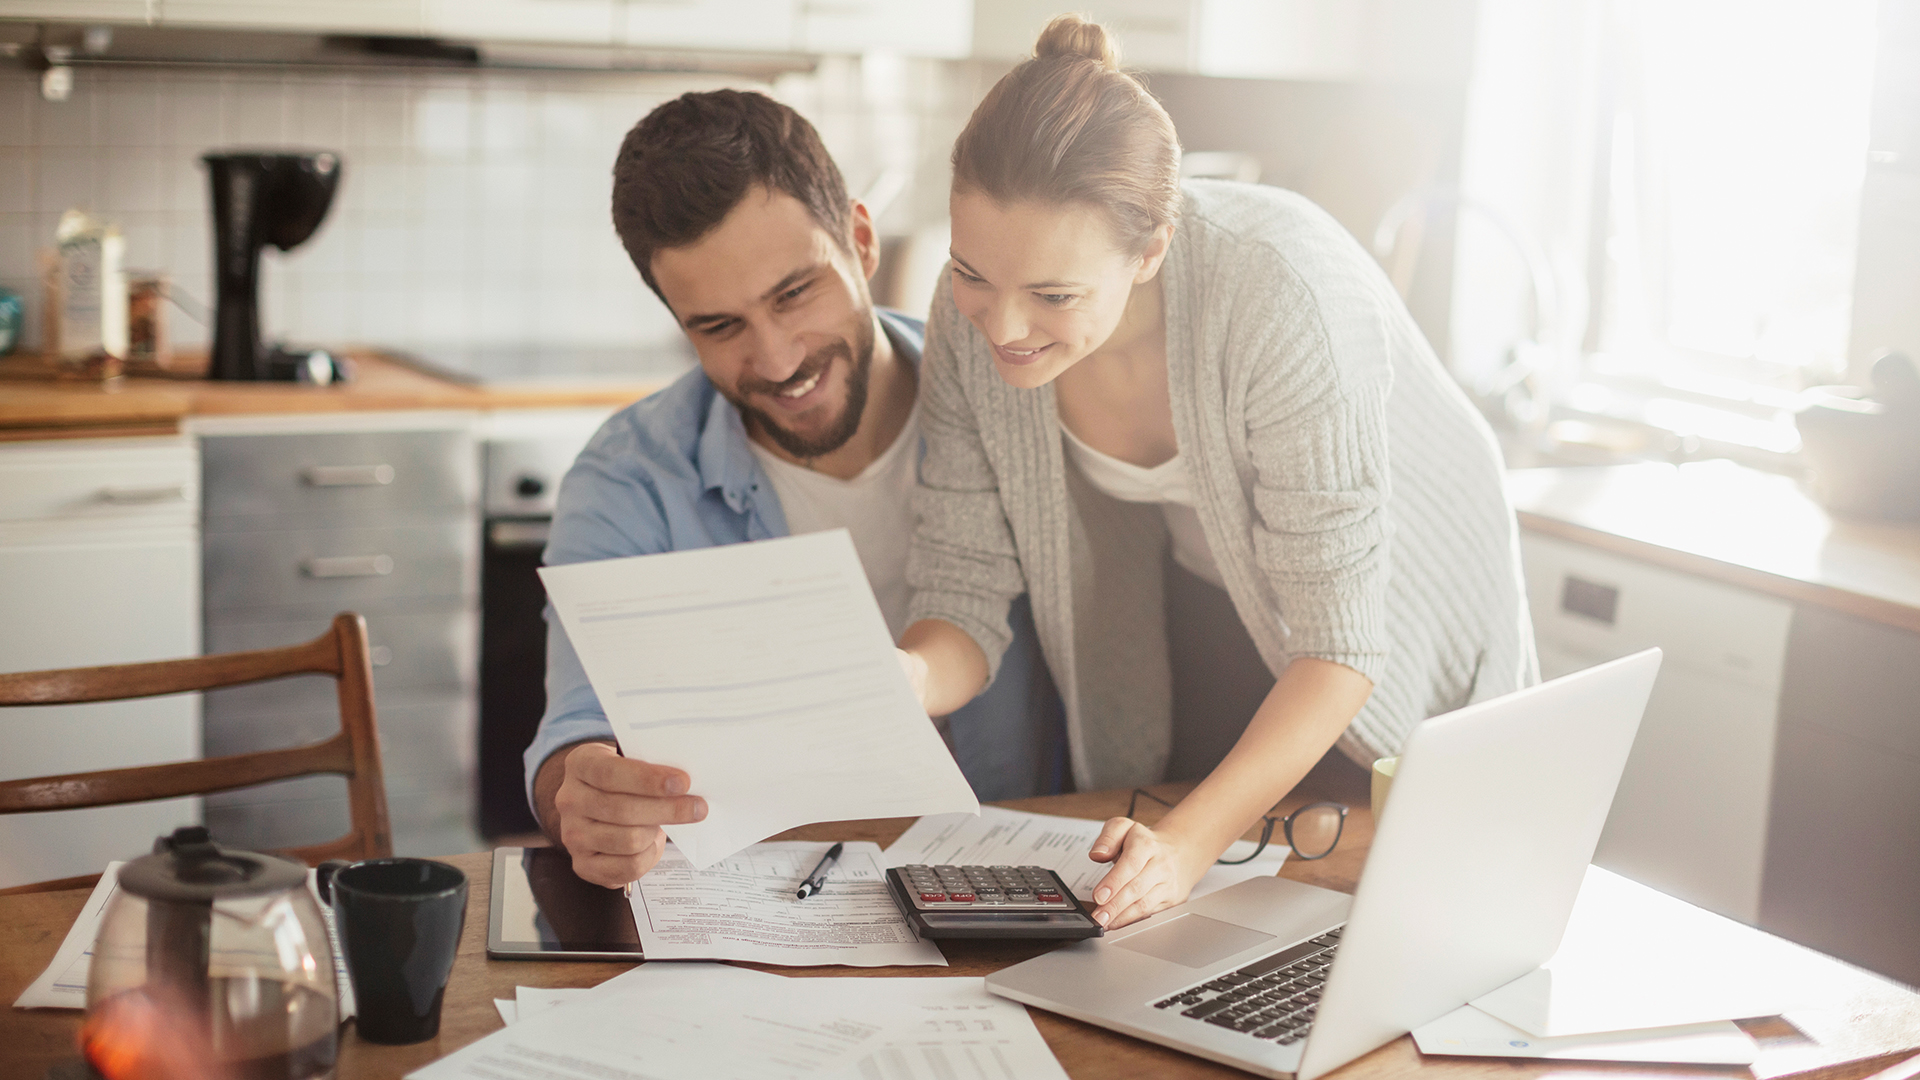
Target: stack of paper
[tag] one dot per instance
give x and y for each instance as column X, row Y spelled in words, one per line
column 664, row 1021
column 1640, row 976
column 765, row 671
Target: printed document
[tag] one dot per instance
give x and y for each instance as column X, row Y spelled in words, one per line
column 766, row 672
column 999, row 837
column 941, row 1028
column 743, row 908
column 672, row 1021
column 64, row 984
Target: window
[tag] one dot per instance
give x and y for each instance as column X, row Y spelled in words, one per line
column 1732, row 148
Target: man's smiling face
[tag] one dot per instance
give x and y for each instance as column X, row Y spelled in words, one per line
column 781, row 318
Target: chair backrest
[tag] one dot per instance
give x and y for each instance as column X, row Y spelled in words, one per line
column 354, row 753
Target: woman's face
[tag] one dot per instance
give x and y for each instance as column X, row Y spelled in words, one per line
column 1047, row 285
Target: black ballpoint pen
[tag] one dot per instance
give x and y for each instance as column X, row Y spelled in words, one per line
column 818, row 879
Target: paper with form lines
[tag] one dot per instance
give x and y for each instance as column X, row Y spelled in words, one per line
column 743, row 908
column 766, row 672
column 924, row 1029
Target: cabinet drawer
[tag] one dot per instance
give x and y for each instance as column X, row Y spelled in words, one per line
column 132, row 481
column 1600, row 606
column 328, row 570
column 338, row 478
column 413, row 656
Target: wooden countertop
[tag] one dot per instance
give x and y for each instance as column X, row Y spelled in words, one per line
column 1744, row 527
column 137, row 405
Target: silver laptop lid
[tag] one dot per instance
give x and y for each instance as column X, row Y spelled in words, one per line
column 1494, row 814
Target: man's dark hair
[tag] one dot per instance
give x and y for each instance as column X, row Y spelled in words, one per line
column 688, row 163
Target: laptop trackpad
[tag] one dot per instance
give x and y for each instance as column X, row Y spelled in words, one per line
column 1193, row 940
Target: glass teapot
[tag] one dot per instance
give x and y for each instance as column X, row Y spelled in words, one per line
column 211, row 963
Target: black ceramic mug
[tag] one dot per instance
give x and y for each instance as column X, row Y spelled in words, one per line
column 399, row 922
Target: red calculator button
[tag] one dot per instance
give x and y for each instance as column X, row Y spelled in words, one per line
column 1049, row 897
column 961, row 897
column 933, row 897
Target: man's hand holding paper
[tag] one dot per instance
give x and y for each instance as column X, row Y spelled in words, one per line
column 609, row 811
column 764, row 674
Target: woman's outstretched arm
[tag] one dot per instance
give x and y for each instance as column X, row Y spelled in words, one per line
column 945, row 665
column 1309, row 706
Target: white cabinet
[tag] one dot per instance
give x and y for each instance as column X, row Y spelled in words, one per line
column 99, row 564
column 1384, row 40
column 113, row 11
column 1691, row 815
column 336, row 16
column 574, row 22
column 922, row 28
column 751, row 25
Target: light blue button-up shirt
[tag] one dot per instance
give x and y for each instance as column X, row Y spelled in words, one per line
column 673, row 472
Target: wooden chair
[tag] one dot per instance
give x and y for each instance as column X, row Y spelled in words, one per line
column 354, row 753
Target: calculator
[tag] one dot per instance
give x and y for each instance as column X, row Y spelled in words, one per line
column 989, row 902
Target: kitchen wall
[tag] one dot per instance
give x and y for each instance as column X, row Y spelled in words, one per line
column 473, row 206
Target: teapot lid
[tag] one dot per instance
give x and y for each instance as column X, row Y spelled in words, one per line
column 189, row 867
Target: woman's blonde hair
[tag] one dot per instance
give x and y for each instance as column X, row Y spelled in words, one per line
column 1068, row 126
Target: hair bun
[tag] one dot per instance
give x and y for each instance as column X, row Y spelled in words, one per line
column 1076, row 36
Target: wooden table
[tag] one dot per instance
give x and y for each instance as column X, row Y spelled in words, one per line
column 32, row 926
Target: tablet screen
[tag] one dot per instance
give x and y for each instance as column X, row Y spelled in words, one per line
column 539, row 909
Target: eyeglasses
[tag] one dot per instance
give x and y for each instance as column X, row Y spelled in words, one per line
column 1312, row 831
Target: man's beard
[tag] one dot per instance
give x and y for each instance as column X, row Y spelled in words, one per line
column 805, row 446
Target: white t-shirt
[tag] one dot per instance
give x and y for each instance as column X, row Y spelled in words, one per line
column 874, row 506
column 1166, row 484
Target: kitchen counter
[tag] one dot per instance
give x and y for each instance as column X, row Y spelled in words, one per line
column 136, row 405
column 1737, row 525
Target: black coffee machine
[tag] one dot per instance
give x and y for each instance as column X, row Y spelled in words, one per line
column 261, row 199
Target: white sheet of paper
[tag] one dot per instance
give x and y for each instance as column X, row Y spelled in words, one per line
column 956, row 1028
column 962, row 1030
column 999, row 837
column 764, row 670
column 63, row 985
column 509, row 1011
column 743, row 908
column 671, row 1021
column 1637, row 958
column 1468, row 1032
column 530, row 1000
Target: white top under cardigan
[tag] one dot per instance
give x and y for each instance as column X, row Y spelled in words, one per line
column 1350, row 494
column 1164, row 485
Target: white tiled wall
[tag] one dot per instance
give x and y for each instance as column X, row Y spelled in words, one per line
column 473, row 206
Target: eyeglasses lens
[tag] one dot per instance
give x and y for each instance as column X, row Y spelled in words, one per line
column 1315, row 830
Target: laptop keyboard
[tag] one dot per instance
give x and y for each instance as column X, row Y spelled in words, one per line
column 1272, row 998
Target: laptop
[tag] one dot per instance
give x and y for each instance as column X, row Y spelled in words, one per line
column 1495, row 812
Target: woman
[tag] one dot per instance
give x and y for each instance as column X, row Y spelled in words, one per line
column 1122, row 362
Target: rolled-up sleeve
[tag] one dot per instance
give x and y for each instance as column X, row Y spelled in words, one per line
column 963, row 565
column 1317, row 438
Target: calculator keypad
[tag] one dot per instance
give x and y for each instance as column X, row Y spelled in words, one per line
column 1019, row 887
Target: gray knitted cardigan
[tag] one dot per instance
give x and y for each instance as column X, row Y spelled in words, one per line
column 1350, row 493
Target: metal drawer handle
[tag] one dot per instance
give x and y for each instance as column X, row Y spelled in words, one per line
column 347, row 475
column 332, row 566
column 134, row 496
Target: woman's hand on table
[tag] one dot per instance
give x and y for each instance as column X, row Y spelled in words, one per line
column 1151, row 872
column 611, row 810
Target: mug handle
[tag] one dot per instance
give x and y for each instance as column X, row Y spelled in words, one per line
column 323, row 877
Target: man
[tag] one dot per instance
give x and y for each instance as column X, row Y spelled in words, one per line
column 801, row 417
